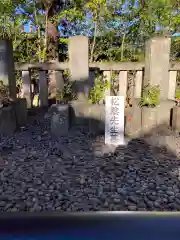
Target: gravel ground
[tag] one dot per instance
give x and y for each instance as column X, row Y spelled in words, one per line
column 80, row 173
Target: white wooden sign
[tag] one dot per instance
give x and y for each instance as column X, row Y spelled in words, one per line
column 114, row 122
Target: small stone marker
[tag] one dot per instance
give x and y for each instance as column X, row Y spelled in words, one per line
column 60, row 120
column 114, row 120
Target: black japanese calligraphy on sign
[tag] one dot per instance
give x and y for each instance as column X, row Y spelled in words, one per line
column 114, row 130
column 114, row 120
column 114, row 110
column 114, row 101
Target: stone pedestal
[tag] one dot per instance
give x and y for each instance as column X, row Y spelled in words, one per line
column 158, row 116
column 97, row 119
column 90, row 115
column 164, row 112
column 133, row 119
column 149, row 119
column 60, row 120
column 176, row 118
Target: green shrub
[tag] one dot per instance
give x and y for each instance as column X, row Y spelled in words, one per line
column 66, row 94
column 4, row 94
column 98, row 91
column 150, row 96
column 177, row 94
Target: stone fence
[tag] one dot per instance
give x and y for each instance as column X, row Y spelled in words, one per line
column 156, row 69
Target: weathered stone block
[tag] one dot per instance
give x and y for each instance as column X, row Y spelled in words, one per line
column 164, row 112
column 7, row 120
column 133, row 119
column 90, row 115
column 149, row 118
column 97, row 119
column 60, row 120
column 176, row 118
column 78, row 113
column 20, row 106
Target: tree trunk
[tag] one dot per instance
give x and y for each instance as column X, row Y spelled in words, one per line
column 52, row 50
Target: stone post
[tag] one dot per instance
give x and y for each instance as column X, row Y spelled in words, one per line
column 26, row 87
column 43, row 89
column 123, row 84
column 157, row 64
column 7, row 70
column 157, row 73
column 79, row 65
column 172, row 84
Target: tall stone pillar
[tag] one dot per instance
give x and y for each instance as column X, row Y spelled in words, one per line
column 79, row 65
column 157, row 73
column 157, row 64
column 7, row 70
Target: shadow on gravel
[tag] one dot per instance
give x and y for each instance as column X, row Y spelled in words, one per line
column 151, row 171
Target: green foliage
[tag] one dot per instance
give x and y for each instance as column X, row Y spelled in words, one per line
column 177, row 94
column 4, row 94
column 98, row 91
column 63, row 96
column 150, row 96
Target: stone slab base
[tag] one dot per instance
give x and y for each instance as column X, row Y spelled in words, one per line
column 140, row 121
column 90, row 115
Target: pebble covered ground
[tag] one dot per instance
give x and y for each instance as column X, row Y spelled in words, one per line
column 80, row 173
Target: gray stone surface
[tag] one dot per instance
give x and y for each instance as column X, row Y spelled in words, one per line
column 21, row 111
column 60, row 120
column 7, row 71
column 133, row 119
column 91, row 115
column 164, row 112
column 40, row 173
column 175, row 118
column 7, row 120
column 157, row 64
column 149, row 118
column 79, row 65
